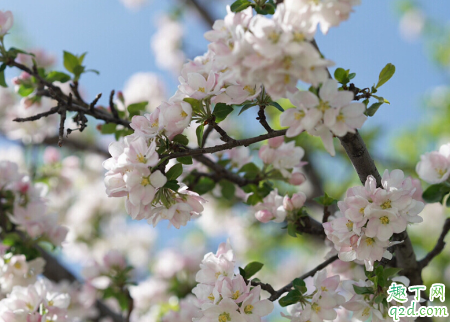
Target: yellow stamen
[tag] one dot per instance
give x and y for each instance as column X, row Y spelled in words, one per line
column 366, row 311
column 384, row 220
column 141, row 158
column 224, row 317
column 299, row 115
column 349, row 225
column 274, row 37
column 201, row 89
column 249, row 89
column 369, row 241
column 298, row 36
column 315, row 307
column 248, row 309
column 386, row 204
column 235, row 295
column 145, row 181
column 183, row 114
column 323, row 106
column 340, row 118
column 211, row 297
column 17, row 265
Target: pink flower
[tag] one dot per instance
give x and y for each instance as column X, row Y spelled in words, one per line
column 383, row 224
column 6, row 22
column 253, row 308
column 174, row 117
column 297, row 178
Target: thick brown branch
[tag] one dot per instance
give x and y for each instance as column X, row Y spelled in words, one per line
column 223, row 135
column 438, row 248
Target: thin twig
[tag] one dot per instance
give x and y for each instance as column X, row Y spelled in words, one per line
column 94, row 102
column 62, row 112
column 53, row 110
column 112, row 107
column 438, row 248
column 262, row 119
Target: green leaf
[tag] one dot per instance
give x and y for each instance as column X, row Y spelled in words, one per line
column 136, row 108
column 379, row 298
column 253, row 199
column 172, row 184
column 363, row 290
column 373, row 109
column 108, row 128
column 70, row 61
column 81, row 58
column 174, row 172
column 386, row 73
column 78, row 70
column 182, row 139
column 391, row 271
column 250, row 170
column 436, row 192
column 340, row 74
column 185, row 160
column 92, row 71
column 242, row 272
column 221, row 111
column 240, row 5
column 292, row 231
column 197, row 105
column 58, row 77
column 292, row 297
column 252, row 268
column 299, row 285
column 277, row 106
column 325, row 200
column 199, row 132
column 24, row 91
column 204, row 185
column 2, row 79
column 246, row 107
column 228, row 189
column 351, row 76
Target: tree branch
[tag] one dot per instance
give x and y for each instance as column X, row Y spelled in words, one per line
column 438, row 248
column 275, row 295
column 262, row 119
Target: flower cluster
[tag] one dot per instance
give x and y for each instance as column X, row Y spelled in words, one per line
column 15, row 270
column 282, row 156
column 224, row 296
column 321, row 304
column 327, row 114
column 276, row 52
column 434, row 167
column 36, row 302
column 369, row 216
column 130, row 174
column 24, row 204
column 364, row 307
column 276, row 208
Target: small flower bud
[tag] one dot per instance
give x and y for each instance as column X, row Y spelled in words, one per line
column 297, row 178
column 264, row 216
column 298, row 200
column 276, row 142
column 287, row 204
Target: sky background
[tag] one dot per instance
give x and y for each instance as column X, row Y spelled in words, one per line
column 118, row 44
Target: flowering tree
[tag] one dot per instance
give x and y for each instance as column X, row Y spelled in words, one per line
column 172, row 156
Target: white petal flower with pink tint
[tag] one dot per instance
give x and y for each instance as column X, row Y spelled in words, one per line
column 226, row 311
column 433, row 167
column 146, row 125
column 233, row 288
column 197, row 86
column 346, row 119
column 139, row 153
column 253, row 308
column 287, row 157
column 214, row 268
column 383, row 224
column 174, row 117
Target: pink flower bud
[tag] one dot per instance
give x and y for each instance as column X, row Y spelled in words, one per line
column 276, row 142
column 297, row 178
column 287, row 204
column 16, row 81
column 114, row 259
column 120, row 96
column 25, row 76
column 266, row 154
column 51, row 155
column 298, row 200
column 264, row 216
column 6, row 22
